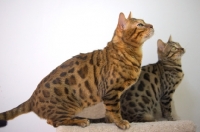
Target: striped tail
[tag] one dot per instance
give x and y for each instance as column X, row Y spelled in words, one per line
column 98, row 120
column 21, row 109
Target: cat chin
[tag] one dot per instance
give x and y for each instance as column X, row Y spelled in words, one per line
column 149, row 35
column 178, row 57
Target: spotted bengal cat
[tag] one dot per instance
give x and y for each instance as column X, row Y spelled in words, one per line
column 87, row 79
column 150, row 98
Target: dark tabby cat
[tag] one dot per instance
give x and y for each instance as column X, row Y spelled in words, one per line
column 150, row 98
column 87, row 79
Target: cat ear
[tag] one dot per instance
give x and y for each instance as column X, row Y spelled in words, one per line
column 122, row 21
column 170, row 38
column 161, row 45
column 130, row 15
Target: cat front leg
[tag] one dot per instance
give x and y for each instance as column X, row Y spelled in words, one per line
column 166, row 107
column 112, row 105
column 167, row 114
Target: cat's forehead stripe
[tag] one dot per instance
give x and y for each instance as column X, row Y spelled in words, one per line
column 139, row 20
column 175, row 44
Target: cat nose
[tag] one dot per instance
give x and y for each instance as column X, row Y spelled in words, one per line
column 183, row 50
column 149, row 26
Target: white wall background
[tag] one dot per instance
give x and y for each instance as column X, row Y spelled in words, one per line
column 38, row 35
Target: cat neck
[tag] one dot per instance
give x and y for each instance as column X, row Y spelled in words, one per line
column 118, row 39
column 166, row 63
column 129, row 48
column 126, row 52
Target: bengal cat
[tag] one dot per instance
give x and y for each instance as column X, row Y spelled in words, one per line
column 150, row 98
column 87, row 79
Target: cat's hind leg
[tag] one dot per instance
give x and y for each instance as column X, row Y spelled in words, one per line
column 60, row 118
column 69, row 122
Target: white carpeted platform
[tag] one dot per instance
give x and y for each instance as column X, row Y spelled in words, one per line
column 98, row 111
column 161, row 126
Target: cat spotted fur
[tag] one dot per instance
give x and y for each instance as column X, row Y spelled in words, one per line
column 149, row 99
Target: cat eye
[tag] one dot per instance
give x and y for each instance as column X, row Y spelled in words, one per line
column 173, row 49
column 140, row 25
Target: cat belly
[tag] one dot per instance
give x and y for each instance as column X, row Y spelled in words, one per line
column 93, row 112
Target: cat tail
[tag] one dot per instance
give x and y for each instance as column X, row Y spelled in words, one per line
column 98, row 120
column 21, row 109
column 147, row 117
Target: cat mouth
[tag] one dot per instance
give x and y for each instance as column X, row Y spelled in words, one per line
column 179, row 55
column 150, row 34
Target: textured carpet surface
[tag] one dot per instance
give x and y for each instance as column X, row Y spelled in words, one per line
column 161, row 126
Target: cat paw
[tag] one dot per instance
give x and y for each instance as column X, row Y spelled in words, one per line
column 85, row 123
column 50, row 122
column 69, row 122
column 124, row 124
column 169, row 118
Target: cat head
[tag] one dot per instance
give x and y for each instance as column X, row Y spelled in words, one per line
column 170, row 50
column 133, row 31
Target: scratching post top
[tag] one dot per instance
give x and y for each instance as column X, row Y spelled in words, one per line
column 164, row 126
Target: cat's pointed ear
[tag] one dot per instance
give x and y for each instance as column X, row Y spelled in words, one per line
column 161, row 45
column 130, row 15
column 122, row 21
column 170, row 38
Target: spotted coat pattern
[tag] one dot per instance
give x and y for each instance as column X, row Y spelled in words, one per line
column 150, row 98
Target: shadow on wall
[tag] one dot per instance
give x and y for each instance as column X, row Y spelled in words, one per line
column 183, row 101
